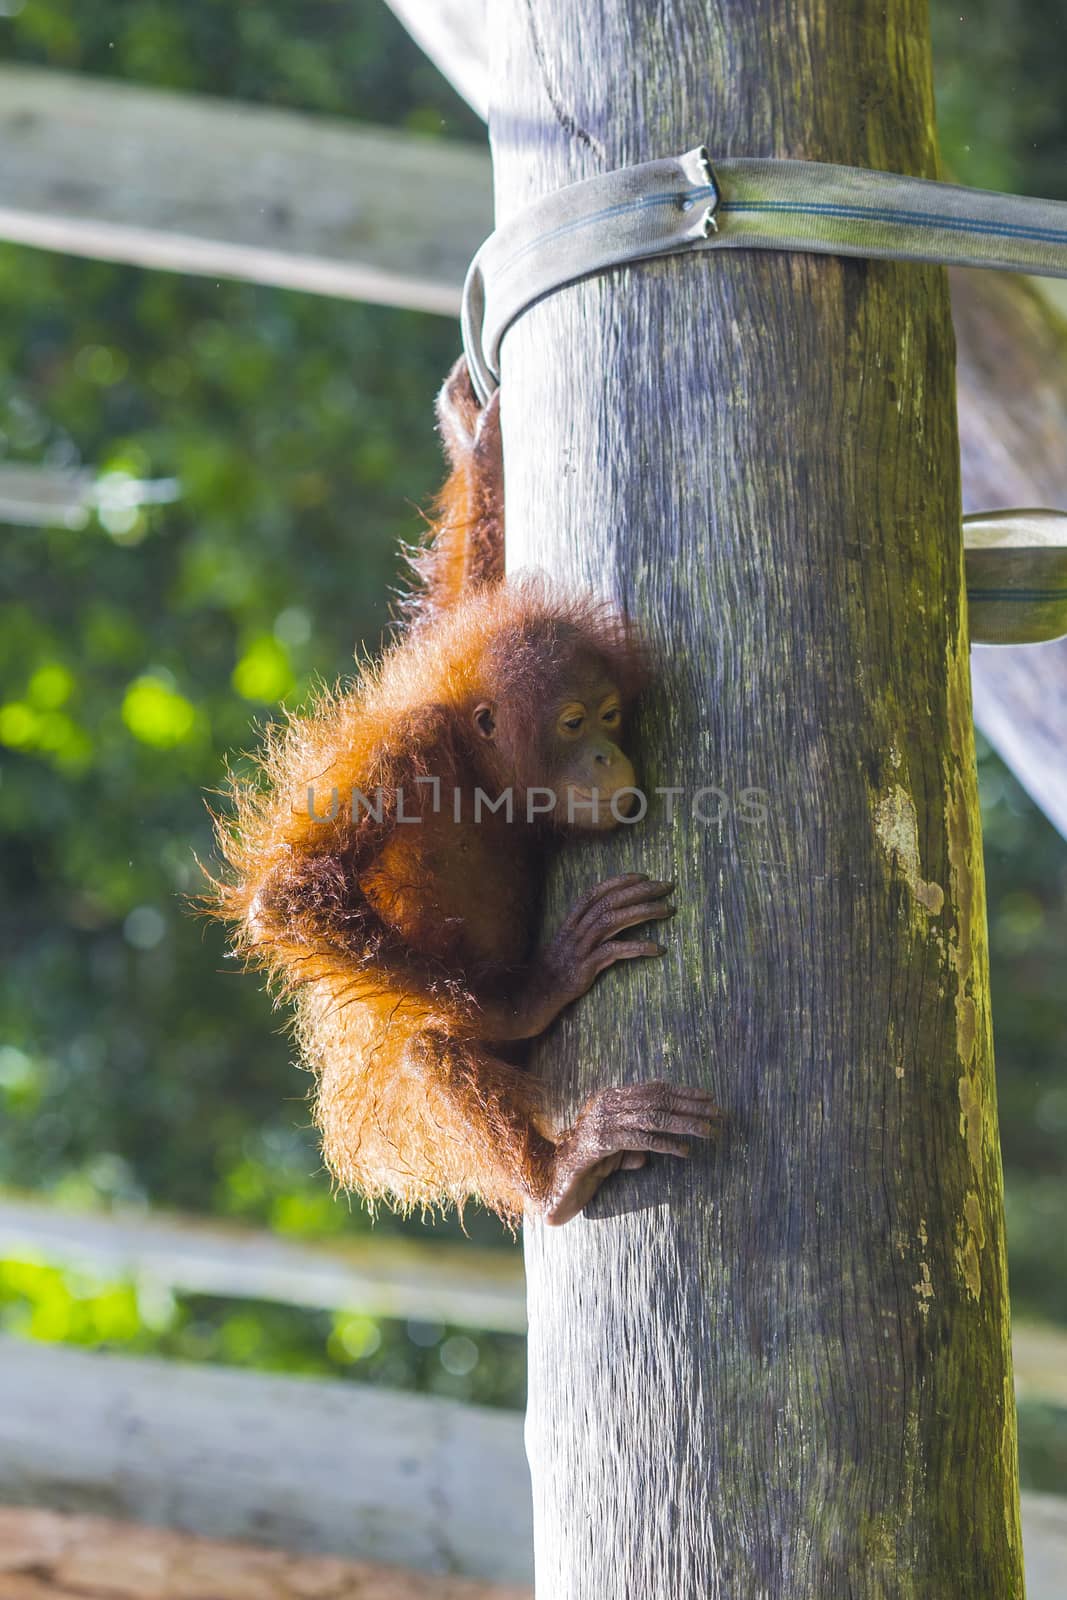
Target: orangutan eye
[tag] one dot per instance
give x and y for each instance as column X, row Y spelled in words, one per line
column 572, row 721
column 611, row 716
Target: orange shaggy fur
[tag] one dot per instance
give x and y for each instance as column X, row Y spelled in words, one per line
column 370, row 927
column 465, row 547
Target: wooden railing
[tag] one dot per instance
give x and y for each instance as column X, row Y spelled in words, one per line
column 383, row 1276
column 306, row 1464
column 297, row 1463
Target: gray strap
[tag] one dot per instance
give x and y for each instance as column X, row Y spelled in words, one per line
column 681, row 204
column 1016, row 576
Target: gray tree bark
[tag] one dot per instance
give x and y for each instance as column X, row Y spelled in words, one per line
column 781, row 1369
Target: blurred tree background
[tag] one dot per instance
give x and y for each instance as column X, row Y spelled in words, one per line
column 138, row 652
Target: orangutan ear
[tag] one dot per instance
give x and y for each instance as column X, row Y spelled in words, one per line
column 485, row 719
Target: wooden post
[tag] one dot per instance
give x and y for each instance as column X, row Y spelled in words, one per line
column 781, row 1370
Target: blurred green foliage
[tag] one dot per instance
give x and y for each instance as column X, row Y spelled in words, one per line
column 72, row 1307
column 139, row 651
column 999, row 78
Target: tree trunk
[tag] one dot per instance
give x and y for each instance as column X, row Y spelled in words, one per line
column 781, row 1369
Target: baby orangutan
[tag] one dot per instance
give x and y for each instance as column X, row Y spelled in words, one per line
column 387, row 874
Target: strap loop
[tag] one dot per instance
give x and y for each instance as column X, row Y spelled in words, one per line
column 1016, row 563
column 682, row 204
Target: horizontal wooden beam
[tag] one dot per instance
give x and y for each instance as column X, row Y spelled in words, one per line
column 301, row 1465
column 383, row 1276
column 96, row 168
column 294, row 1463
column 49, row 497
column 41, row 497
